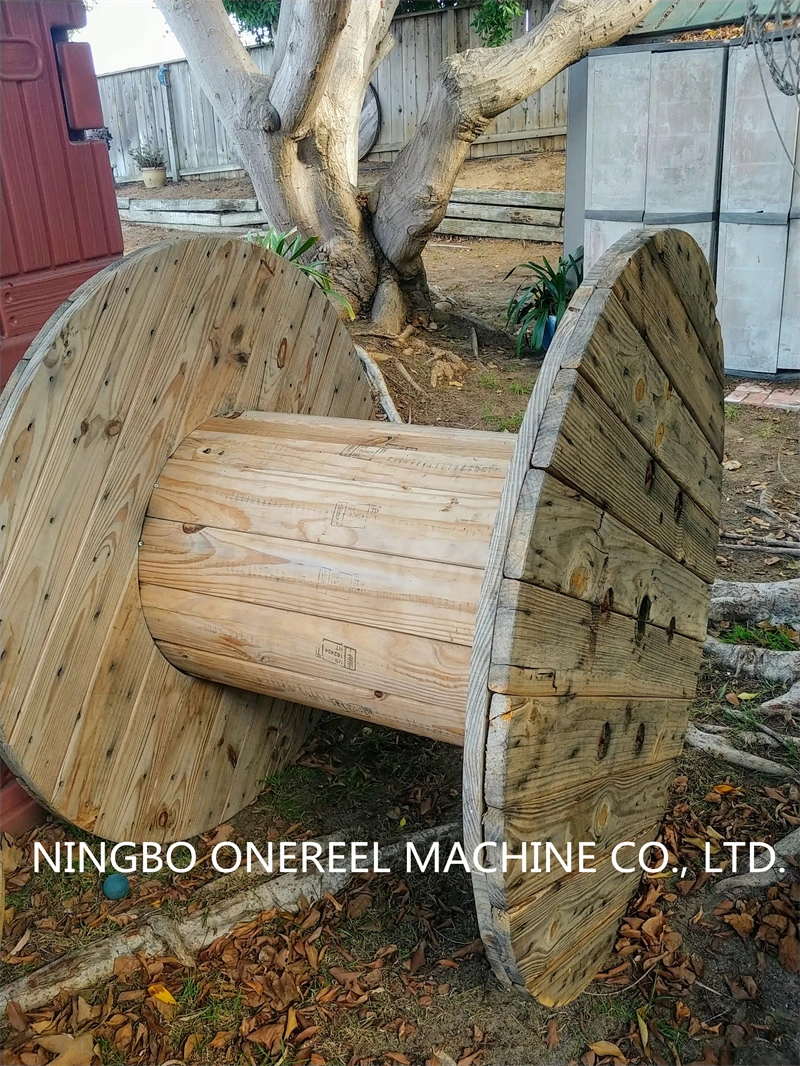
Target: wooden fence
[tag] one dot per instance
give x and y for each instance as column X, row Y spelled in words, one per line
column 165, row 105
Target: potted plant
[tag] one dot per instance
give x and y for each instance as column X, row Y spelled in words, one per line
column 152, row 162
column 535, row 309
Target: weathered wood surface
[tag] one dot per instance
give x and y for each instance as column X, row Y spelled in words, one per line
column 529, row 216
column 596, row 550
column 508, row 198
column 142, row 354
column 325, row 558
column 216, row 205
column 594, row 605
column 205, row 219
column 513, row 231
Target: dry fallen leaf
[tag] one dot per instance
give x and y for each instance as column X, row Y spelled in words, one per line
column 417, row 957
column 742, row 923
column 58, row 1042
column 789, row 954
column 731, row 464
column 17, row 1016
column 79, row 1053
column 161, row 993
column 605, row 1047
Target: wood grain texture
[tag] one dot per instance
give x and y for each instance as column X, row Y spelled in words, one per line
column 583, row 552
column 345, row 567
column 137, row 358
column 594, row 605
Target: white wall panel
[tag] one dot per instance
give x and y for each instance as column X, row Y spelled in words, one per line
column 750, row 278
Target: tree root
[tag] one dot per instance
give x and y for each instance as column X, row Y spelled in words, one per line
column 786, row 848
column 746, row 601
column 712, row 745
column 786, row 706
column 378, row 385
column 776, row 667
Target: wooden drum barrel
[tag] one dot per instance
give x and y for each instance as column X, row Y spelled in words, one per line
column 204, row 536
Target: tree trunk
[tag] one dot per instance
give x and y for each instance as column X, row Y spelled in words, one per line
column 296, row 130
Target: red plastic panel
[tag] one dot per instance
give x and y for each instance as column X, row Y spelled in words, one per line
column 58, row 218
column 79, row 82
column 20, row 60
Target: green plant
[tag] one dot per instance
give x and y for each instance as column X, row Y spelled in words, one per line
column 488, row 381
column 258, row 18
column 148, row 156
column 776, row 639
column 520, row 388
column 547, row 293
column 494, row 21
column 292, row 246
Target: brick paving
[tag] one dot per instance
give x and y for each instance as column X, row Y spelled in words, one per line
column 762, row 394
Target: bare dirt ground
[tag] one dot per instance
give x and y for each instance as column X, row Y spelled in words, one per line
column 390, row 973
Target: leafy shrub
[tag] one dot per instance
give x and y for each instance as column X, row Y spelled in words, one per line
column 257, row 18
column 494, row 21
column 293, row 246
column 547, row 293
column 148, row 156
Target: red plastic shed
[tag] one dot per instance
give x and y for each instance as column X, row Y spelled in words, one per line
column 59, row 222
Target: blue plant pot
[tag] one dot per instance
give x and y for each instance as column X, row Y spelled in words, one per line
column 549, row 331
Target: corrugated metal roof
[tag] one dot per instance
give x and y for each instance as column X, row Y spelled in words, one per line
column 674, row 16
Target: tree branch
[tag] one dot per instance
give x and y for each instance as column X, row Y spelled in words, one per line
column 307, row 41
column 470, row 89
column 237, row 89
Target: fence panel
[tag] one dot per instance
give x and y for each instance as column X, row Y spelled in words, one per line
column 135, row 102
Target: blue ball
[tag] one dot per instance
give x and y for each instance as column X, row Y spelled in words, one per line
column 116, row 886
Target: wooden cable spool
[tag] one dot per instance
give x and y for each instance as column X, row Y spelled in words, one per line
column 204, row 538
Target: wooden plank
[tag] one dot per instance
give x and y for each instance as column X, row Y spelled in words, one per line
column 193, row 218
column 694, row 284
column 467, row 227
column 215, row 205
column 361, row 657
column 508, row 198
column 552, row 933
column 376, row 707
column 434, row 600
column 269, row 445
column 637, row 390
column 583, row 443
column 418, row 524
column 548, row 644
column 534, row 216
column 526, row 738
column 654, row 305
column 409, row 437
column 561, row 540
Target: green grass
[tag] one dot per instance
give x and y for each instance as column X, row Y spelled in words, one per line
column 503, row 423
column 488, row 381
column 767, row 430
column 775, row 639
column 520, row 388
column 733, row 412
column 618, row 1007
